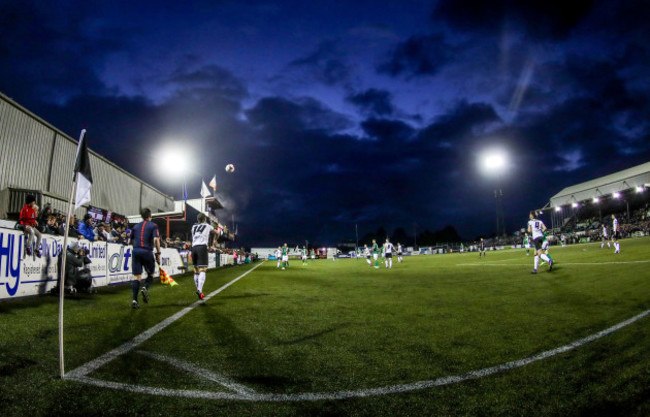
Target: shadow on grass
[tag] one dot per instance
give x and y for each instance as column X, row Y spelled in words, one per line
column 312, row 336
column 251, row 361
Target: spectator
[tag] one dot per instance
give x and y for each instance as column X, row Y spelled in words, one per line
column 51, row 228
column 103, row 235
column 73, row 228
column 43, row 218
column 119, row 235
column 86, row 228
column 29, row 226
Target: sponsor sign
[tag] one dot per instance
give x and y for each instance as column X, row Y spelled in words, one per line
column 117, row 264
column 212, row 260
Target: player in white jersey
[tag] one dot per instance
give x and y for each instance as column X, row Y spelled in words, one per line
column 605, row 237
column 388, row 253
column 201, row 234
column 537, row 228
column 615, row 233
column 278, row 255
column 400, row 252
column 366, row 251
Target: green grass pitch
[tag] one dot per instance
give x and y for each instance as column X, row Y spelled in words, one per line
column 274, row 339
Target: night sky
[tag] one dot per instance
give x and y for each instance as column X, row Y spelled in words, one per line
column 340, row 113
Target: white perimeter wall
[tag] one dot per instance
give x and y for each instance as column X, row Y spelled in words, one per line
column 110, row 264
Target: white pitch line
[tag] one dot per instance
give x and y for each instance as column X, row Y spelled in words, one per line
column 202, row 372
column 340, row 395
column 563, row 263
column 95, row 364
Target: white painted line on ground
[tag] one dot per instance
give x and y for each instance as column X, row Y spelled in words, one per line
column 340, row 395
column 560, row 264
column 202, row 372
column 95, row 364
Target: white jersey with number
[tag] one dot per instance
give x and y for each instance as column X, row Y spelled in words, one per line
column 388, row 247
column 536, row 228
column 615, row 226
column 201, row 234
column 604, row 231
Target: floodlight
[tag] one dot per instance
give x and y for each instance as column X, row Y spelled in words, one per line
column 574, row 205
column 616, row 195
column 558, row 208
column 639, row 189
column 174, row 161
column 494, row 162
column 596, row 200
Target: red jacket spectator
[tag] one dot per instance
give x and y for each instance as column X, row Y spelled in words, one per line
column 28, row 215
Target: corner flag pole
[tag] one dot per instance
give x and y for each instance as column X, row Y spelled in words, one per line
column 63, row 260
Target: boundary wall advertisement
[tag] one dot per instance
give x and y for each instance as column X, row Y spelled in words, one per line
column 22, row 275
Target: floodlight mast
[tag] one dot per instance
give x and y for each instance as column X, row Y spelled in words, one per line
column 494, row 164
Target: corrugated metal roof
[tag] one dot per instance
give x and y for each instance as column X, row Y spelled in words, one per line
column 619, row 181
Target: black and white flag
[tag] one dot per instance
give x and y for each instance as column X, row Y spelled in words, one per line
column 82, row 171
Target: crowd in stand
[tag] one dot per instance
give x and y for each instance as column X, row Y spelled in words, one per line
column 35, row 222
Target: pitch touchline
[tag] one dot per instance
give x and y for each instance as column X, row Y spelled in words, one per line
column 247, row 394
column 562, row 263
column 95, row 364
column 340, row 395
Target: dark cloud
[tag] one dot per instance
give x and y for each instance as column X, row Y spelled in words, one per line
column 388, row 130
column 463, row 121
column 373, row 101
column 419, row 55
column 50, row 54
column 327, row 64
column 210, row 77
column 286, row 116
column 541, row 19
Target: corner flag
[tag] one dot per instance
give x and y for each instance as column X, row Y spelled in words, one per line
column 213, row 183
column 82, row 171
column 205, row 193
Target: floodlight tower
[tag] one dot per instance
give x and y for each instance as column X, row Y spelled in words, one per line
column 494, row 164
column 176, row 164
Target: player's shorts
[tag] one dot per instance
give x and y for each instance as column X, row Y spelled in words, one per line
column 604, row 237
column 538, row 243
column 615, row 235
column 545, row 245
column 143, row 258
column 399, row 253
column 304, row 257
column 285, row 258
column 375, row 256
column 313, row 257
column 389, row 255
column 200, row 256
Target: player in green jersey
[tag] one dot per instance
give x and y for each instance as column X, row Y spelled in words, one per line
column 375, row 253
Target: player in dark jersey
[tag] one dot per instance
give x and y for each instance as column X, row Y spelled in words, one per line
column 481, row 248
column 144, row 238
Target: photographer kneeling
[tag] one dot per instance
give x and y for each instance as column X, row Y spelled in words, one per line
column 77, row 275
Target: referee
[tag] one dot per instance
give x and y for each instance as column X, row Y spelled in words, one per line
column 144, row 237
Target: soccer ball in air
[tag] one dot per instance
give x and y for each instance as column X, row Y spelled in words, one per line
column 230, row 168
